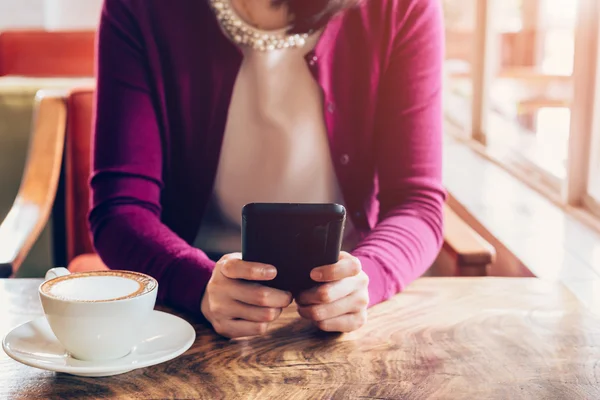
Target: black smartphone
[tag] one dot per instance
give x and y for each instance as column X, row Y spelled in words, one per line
column 294, row 238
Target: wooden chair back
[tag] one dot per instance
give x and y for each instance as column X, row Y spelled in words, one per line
column 55, row 178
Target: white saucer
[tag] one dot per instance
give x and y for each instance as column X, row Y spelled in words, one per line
column 165, row 337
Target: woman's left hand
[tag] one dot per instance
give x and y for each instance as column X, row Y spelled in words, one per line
column 339, row 303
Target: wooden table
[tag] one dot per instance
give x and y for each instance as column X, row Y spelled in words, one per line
column 443, row 338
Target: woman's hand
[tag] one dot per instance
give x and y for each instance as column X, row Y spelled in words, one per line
column 237, row 308
column 339, row 303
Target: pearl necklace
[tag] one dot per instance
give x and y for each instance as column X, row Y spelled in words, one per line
column 244, row 34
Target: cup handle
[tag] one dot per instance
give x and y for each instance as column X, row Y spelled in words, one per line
column 56, row 272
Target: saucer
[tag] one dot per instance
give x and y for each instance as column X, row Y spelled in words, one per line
column 165, row 337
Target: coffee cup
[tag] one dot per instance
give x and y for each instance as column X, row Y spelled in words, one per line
column 99, row 315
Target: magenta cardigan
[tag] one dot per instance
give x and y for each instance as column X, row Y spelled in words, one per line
column 165, row 78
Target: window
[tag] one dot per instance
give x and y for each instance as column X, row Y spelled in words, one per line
column 594, row 175
column 523, row 88
column 460, row 25
column 531, row 84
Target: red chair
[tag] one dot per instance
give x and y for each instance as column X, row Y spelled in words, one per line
column 62, row 131
column 37, row 53
column 47, row 54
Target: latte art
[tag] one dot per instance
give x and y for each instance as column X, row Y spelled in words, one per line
column 99, row 286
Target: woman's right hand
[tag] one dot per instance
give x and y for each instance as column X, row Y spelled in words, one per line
column 236, row 307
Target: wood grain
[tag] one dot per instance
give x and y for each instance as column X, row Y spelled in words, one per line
column 443, row 338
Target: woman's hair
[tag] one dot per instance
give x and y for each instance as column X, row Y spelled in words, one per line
column 313, row 14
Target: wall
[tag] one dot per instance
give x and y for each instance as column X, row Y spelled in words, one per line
column 71, row 14
column 49, row 14
column 21, row 14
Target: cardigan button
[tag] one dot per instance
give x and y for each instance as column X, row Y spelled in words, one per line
column 313, row 61
column 345, row 159
column 330, row 107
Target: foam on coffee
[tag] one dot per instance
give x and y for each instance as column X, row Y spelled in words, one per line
column 99, row 286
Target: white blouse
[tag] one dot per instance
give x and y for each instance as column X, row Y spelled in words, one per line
column 275, row 147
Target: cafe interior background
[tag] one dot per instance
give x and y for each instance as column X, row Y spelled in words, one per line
column 522, row 133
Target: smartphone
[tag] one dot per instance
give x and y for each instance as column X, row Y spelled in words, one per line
column 294, row 238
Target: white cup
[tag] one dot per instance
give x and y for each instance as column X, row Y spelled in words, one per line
column 100, row 323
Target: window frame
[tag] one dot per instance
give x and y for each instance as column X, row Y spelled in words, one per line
column 585, row 102
column 589, row 202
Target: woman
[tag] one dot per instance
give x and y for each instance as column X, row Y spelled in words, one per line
column 205, row 105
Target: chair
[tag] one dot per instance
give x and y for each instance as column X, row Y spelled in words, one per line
column 31, row 60
column 35, row 53
column 64, row 124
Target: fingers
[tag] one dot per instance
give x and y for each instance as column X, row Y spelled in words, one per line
column 236, row 307
column 344, row 323
column 337, row 314
column 326, row 293
column 346, row 267
column 252, row 293
column 237, row 310
column 233, row 267
column 240, row 328
column 354, row 303
column 333, row 291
